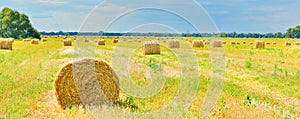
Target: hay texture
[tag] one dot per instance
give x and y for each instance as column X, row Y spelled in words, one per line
column 297, row 43
column 86, row 82
column 101, row 42
column 259, row 44
column 35, row 41
column 287, row 43
column 198, row 44
column 150, row 48
column 67, row 42
column 6, row 43
column 173, row 44
column 217, row 43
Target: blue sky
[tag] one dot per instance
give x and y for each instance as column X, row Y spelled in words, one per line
column 261, row 16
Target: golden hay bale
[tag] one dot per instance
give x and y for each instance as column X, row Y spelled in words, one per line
column 268, row 43
column 297, row 43
column 244, row 42
column 287, row 43
column 101, row 42
column 26, row 40
column 67, row 42
column 198, row 44
column 115, row 41
column 151, row 47
column 217, row 43
column 250, row 43
column 274, row 43
column 259, row 44
column 207, row 42
column 232, row 43
column 86, row 40
column 35, row 41
column 173, row 44
column 6, row 43
column 44, row 40
column 238, row 43
column 86, row 82
column 224, row 42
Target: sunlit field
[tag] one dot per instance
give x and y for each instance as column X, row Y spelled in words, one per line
column 259, row 83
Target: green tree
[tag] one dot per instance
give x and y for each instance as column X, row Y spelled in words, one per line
column 16, row 25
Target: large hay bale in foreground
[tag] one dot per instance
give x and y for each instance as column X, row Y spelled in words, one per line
column 259, row 44
column 6, row 43
column 287, row 43
column 173, row 44
column 217, row 43
column 101, row 42
column 86, row 82
column 35, row 41
column 67, row 42
column 151, row 47
column 198, row 44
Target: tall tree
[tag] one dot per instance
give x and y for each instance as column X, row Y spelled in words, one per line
column 16, row 25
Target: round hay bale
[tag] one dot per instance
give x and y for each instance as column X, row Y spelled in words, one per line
column 35, row 41
column 238, row 43
column 297, row 43
column 67, row 42
column 244, row 42
column 268, row 43
column 274, row 43
column 198, row 44
column 250, row 43
column 232, row 43
column 101, row 42
column 44, row 40
column 6, row 43
column 26, row 40
column 207, row 42
column 86, row 40
column 217, row 43
column 259, row 44
column 86, row 82
column 224, row 42
column 115, row 41
column 150, row 48
column 287, row 43
column 173, row 44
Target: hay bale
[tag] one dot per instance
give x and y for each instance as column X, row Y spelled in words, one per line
column 86, row 40
column 250, row 43
column 67, row 42
column 297, row 43
column 224, row 42
column 238, row 43
column 274, row 43
column 101, row 42
column 287, row 43
column 6, row 43
column 173, row 44
column 35, row 41
column 268, row 43
column 259, row 44
column 232, row 43
column 198, row 44
column 151, row 47
column 217, row 43
column 115, row 41
column 206, row 42
column 86, row 82
column 44, row 40
column 244, row 42
column 26, row 40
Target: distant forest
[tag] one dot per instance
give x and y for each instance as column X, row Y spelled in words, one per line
column 290, row 33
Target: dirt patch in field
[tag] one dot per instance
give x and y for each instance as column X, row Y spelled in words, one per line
column 48, row 107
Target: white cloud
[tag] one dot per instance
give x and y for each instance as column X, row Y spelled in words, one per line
column 52, row 2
